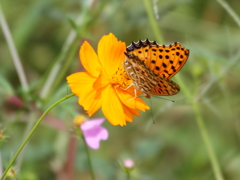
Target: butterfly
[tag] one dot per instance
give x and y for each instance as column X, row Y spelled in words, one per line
column 150, row 66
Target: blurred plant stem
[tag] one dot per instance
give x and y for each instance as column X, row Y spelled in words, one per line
column 70, row 47
column 1, row 166
column 59, row 63
column 30, row 123
column 230, row 11
column 88, row 158
column 128, row 175
column 153, row 23
column 58, row 71
column 13, row 51
column 203, row 130
column 31, row 132
column 205, row 136
column 186, row 91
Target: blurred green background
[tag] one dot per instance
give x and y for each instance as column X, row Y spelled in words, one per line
column 44, row 33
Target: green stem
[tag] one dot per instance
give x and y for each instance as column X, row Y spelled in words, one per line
column 58, row 65
column 128, row 175
column 206, row 140
column 230, row 11
column 153, row 23
column 70, row 47
column 31, row 132
column 89, row 158
column 13, row 51
column 30, row 124
column 64, row 68
column 201, row 125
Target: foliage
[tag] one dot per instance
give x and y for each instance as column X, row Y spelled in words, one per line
column 48, row 34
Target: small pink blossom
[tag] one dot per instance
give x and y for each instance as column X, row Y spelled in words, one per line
column 93, row 132
column 128, row 163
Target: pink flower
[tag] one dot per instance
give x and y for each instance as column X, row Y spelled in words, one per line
column 93, row 132
column 128, row 163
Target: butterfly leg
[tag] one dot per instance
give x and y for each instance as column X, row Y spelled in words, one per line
column 135, row 95
column 127, row 87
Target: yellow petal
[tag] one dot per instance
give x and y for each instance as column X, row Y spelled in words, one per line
column 111, row 53
column 130, row 101
column 89, row 59
column 91, row 104
column 81, row 85
column 101, row 82
column 135, row 112
column 81, row 81
column 128, row 114
column 112, row 107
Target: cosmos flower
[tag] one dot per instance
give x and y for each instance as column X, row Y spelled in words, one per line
column 92, row 131
column 105, row 83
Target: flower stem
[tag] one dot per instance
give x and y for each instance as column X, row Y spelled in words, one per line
column 186, row 91
column 128, row 175
column 230, row 11
column 13, row 51
column 89, row 158
column 31, row 132
column 153, row 23
column 206, row 140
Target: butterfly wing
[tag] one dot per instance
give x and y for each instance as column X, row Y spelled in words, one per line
column 164, row 60
column 165, row 87
column 144, row 79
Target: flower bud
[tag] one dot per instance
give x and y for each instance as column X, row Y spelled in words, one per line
column 128, row 163
column 79, row 120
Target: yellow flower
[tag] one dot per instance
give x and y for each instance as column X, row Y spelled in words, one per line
column 104, row 83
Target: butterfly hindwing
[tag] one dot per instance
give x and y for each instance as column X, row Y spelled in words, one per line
column 143, row 78
column 165, row 87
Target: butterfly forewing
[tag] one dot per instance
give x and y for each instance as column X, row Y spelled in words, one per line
column 163, row 60
column 150, row 66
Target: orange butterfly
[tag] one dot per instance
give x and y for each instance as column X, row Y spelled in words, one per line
column 150, row 66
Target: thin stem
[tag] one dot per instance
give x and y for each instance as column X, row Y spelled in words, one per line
column 59, row 61
column 183, row 86
column 28, row 129
column 128, row 175
column 71, row 154
column 1, row 167
column 64, row 68
column 230, row 11
column 153, row 23
column 14, row 53
column 61, row 65
column 32, row 131
column 203, row 131
column 89, row 158
column 206, row 140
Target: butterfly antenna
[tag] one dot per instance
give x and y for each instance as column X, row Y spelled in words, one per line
column 151, row 111
column 166, row 99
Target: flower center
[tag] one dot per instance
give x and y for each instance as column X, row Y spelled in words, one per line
column 120, row 78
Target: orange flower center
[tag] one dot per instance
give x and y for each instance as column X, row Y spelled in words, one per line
column 120, row 79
